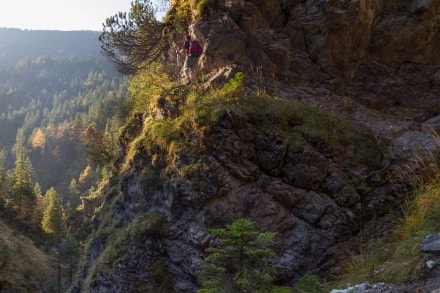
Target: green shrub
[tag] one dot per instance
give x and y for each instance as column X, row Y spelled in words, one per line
column 310, row 284
column 241, row 262
column 148, row 224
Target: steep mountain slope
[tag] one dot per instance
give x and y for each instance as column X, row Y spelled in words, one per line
column 22, row 265
column 194, row 159
column 361, row 52
column 53, row 87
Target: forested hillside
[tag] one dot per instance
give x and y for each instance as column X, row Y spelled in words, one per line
column 53, row 100
column 18, row 44
column 58, row 95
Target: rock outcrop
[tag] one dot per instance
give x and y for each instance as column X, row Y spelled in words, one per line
column 371, row 61
column 431, row 244
column 300, row 193
column 363, row 58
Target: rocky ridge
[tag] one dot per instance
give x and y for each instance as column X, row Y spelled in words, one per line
column 373, row 61
column 369, row 61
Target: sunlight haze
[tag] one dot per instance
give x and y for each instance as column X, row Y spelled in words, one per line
column 59, row 14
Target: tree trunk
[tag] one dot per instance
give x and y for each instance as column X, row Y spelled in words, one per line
column 59, row 264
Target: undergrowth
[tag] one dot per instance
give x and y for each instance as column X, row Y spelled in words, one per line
column 23, row 267
column 395, row 257
column 119, row 237
column 195, row 111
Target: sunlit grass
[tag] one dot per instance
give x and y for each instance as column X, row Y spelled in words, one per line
column 22, row 264
column 299, row 124
column 396, row 258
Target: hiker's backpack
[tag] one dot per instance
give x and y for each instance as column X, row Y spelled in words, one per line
column 195, row 50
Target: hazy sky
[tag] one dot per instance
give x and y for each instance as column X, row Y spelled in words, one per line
column 59, row 14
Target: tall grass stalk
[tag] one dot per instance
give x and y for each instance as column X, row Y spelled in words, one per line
column 395, row 257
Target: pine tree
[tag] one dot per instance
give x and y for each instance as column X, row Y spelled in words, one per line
column 41, row 202
column 54, row 224
column 132, row 40
column 100, row 147
column 2, row 172
column 74, row 196
column 3, row 181
column 241, row 262
column 22, row 188
column 86, row 179
column 53, row 221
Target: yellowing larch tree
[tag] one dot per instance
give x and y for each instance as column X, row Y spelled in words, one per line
column 38, row 139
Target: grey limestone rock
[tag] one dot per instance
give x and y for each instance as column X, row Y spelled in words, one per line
column 431, row 244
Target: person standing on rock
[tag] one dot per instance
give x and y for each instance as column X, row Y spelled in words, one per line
column 193, row 51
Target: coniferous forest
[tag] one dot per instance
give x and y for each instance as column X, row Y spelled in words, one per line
column 57, row 94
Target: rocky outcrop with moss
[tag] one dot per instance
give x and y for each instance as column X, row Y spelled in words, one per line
column 294, row 169
column 196, row 159
column 374, row 61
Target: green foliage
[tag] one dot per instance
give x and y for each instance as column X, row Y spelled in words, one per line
column 183, row 12
column 53, row 221
column 46, row 104
column 388, row 260
column 113, row 253
column 132, row 40
column 179, row 15
column 300, row 124
column 18, row 193
column 241, row 262
column 396, row 257
column 147, row 86
column 203, row 7
column 118, row 237
column 148, row 224
column 194, row 111
column 310, row 284
column 59, row 96
column 22, row 265
column 101, row 149
column 160, row 272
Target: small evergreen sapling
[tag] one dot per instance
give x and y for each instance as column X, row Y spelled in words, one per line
column 241, row 262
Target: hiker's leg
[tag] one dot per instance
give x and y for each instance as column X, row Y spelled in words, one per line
column 186, row 68
column 187, row 74
column 192, row 63
column 192, row 76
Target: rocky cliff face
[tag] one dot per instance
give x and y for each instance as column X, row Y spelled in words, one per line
column 380, row 54
column 311, row 198
column 371, row 61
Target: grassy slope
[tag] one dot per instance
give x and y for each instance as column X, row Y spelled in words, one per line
column 395, row 256
column 198, row 110
column 22, row 265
